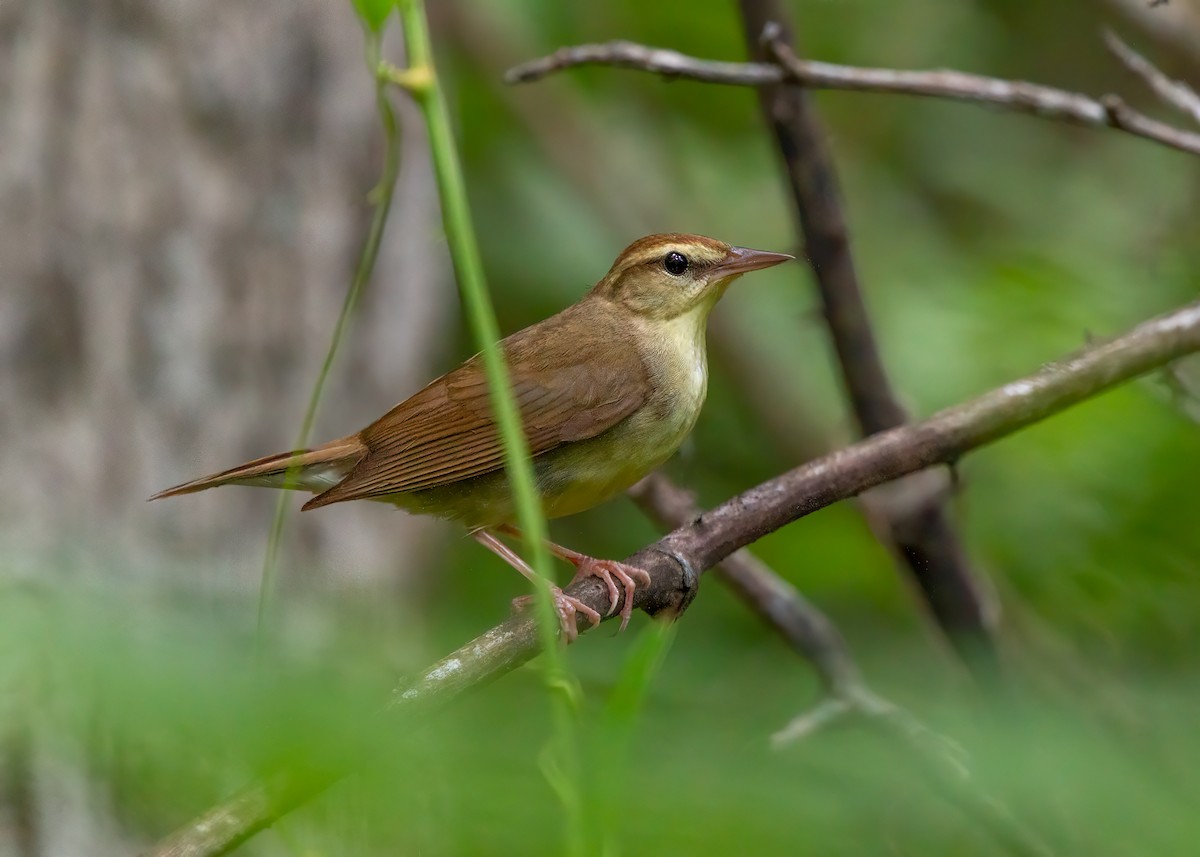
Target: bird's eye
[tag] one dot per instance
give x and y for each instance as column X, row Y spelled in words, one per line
column 675, row 263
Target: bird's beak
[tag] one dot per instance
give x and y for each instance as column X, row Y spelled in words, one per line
column 740, row 260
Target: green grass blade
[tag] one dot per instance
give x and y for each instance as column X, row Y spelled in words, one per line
column 421, row 81
column 610, row 739
column 381, row 199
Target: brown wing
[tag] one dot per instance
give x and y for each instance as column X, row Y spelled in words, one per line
column 445, row 433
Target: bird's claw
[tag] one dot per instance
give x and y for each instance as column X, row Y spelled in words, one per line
column 606, row 570
column 565, row 608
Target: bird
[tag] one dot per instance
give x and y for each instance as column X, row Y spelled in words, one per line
column 608, row 389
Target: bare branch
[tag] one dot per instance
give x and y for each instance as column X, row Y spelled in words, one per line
column 669, row 63
column 674, row 560
column 814, row 636
column 920, row 533
column 948, row 755
column 1015, row 95
column 801, row 624
column 1175, row 93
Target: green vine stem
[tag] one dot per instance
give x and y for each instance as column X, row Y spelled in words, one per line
column 381, row 198
column 421, row 82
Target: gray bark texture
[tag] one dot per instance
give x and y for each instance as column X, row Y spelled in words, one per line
column 182, row 202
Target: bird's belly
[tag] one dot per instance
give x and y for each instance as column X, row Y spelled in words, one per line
column 584, row 474
column 572, row 483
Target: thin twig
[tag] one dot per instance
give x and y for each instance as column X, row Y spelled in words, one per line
column 921, row 533
column 1019, row 96
column 674, row 561
column 950, row 756
column 1175, row 93
column 664, row 61
column 940, row 762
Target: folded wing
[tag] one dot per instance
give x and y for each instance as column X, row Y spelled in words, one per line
column 445, row 433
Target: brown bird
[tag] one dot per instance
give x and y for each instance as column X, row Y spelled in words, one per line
column 607, row 389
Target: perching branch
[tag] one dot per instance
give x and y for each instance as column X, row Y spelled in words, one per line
column 1108, row 111
column 675, row 560
column 943, row 763
column 921, row 532
column 1173, row 93
column 803, row 627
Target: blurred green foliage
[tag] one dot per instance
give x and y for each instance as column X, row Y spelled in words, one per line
column 374, row 13
column 988, row 243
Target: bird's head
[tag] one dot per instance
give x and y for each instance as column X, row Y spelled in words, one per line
column 667, row 276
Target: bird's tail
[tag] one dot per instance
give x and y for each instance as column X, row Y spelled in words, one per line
column 306, row 469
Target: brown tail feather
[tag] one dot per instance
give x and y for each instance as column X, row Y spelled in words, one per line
column 306, row 469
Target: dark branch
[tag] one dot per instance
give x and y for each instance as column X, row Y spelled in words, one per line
column 921, row 533
column 813, row 182
column 715, row 535
column 1019, row 96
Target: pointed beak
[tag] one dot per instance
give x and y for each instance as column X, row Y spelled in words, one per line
column 741, row 260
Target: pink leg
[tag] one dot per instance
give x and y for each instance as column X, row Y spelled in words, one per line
column 605, row 569
column 565, row 605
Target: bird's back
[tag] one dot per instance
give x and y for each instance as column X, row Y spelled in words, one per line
column 603, row 457
column 439, row 452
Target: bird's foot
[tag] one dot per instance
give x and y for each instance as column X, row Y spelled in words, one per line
column 565, row 607
column 607, row 569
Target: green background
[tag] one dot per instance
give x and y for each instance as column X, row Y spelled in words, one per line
column 988, row 244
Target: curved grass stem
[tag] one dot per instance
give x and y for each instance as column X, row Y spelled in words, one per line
column 381, row 198
column 420, row 80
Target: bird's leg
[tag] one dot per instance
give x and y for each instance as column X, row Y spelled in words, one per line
column 566, row 606
column 605, row 569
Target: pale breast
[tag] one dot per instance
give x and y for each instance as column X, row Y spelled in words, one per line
column 678, row 359
column 584, row 474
